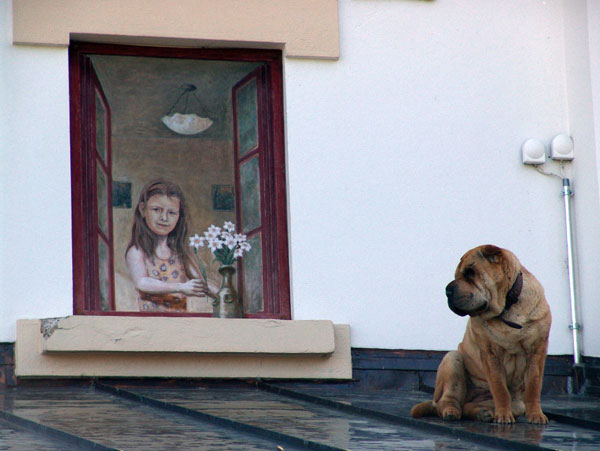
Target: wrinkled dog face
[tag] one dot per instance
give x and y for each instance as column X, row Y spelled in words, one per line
column 479, row 277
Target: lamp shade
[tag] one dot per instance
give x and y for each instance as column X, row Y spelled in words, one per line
column 186, row 124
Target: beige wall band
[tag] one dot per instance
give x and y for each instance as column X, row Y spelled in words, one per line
column 305, row 28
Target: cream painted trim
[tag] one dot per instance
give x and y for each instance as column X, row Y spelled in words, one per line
column 306, row 28
column 31, row 361
column 202, row 335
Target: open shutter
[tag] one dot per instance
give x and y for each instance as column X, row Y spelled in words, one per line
column 98, row 201
column 254, row 211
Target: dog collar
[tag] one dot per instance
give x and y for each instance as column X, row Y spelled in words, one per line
column 511, row 299
column 513, row 294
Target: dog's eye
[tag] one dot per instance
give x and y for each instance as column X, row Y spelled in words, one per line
column 469, row 273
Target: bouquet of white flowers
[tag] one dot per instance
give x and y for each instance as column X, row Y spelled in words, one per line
column 226, row 245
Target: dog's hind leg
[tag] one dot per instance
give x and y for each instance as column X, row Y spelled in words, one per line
column 450, row 386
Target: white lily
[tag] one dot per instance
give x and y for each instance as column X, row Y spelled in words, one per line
column 230, row 241
column 214, row 229
column 239, row 238
column 215, row 244
column 196, row 241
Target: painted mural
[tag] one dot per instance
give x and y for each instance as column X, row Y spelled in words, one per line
column 171, row 147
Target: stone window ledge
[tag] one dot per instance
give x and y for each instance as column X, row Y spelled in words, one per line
column 112, row 346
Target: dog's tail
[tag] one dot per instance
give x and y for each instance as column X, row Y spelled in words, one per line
column 423, row 409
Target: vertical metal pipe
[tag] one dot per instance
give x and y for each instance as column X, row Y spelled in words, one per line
column 575, row 327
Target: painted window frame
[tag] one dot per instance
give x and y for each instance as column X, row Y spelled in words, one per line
column 276, row 280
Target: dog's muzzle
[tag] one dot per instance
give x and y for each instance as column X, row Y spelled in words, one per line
column 458, row 305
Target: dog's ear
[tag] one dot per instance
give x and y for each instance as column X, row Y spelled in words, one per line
column 491, row 253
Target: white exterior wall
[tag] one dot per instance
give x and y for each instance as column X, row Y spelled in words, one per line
column 35, row 185
column 402, row 155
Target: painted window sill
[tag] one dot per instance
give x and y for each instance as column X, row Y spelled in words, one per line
column 182, row 347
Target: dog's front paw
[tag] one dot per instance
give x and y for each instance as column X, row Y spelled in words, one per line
column 504, row 416
column 537, row 417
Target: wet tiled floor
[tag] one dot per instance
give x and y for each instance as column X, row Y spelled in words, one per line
column 251, row 416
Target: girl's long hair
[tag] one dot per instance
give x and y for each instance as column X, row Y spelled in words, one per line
column 144, row 239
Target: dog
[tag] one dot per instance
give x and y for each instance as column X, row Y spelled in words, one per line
column 496, row 373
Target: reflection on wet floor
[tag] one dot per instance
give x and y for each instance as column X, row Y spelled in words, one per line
column 228, row 415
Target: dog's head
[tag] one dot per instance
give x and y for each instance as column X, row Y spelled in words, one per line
column 481, row 282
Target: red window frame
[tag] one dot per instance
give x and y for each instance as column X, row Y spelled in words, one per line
column 276, row 280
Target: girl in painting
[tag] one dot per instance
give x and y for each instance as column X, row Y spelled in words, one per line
column 157, row 257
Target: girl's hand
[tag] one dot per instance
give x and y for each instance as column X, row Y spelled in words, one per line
column 194, row 287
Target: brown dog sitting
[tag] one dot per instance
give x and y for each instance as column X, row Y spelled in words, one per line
column 496, row 374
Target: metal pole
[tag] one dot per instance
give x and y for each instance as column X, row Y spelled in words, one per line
column 574, row 326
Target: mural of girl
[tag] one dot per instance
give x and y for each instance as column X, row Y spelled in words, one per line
column 157, row 256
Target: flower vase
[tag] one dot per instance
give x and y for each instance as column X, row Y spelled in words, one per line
column 227, row 304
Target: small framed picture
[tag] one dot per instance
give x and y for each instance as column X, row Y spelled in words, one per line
column 222, row 197
column 121, row 195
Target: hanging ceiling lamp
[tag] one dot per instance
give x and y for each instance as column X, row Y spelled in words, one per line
column 186, row 123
